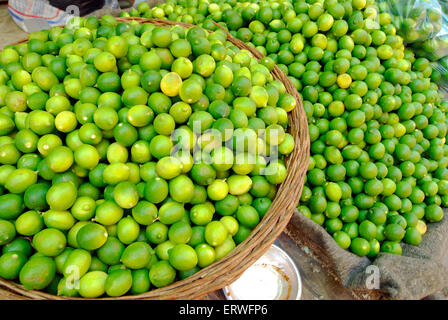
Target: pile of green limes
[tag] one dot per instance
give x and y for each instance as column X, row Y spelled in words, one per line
column 421, row 25
column 132, row 155
column 378, row 125
column 414, row 20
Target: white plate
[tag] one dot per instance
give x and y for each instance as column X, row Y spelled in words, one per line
column 272, row 277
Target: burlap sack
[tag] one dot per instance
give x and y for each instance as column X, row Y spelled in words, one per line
column 420, row 272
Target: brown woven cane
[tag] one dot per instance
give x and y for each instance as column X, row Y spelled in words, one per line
column 229, row 268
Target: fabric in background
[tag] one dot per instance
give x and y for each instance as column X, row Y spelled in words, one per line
column 421, row 272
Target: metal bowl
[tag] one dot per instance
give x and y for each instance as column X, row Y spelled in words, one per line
column 272, row 277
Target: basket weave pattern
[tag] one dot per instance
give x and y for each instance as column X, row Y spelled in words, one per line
column 229, row 268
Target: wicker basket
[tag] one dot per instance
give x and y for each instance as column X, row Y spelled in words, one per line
column 229, row 268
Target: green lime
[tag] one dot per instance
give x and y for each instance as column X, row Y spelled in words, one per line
column 77, row 261
column 360, row 246
column 144, row 213
column 128, row 230
column 433, row 213
column 394, row 232
column 216, row 233
column 137, row 255
column 10, row 264
column 391, row 247
column 157, row 232
column 183, row 257
column 29, row 223
column 162, row 273
column 37, row 273
column 91, row 236
column 126, row 195
column 171, row 212
column 118, row 283
column 61, row 196
column 342, row 239
column 105, row 62
column 92, row 284
column 7, row 232
column 140, row 281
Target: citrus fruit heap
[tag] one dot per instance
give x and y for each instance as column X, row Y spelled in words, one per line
column 378, row 123
column 416, row 22
column 131, row 156
column 420, row 25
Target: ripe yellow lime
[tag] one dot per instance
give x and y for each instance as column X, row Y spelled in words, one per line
column 421, row 227
column 344, row 81
column 170, row 84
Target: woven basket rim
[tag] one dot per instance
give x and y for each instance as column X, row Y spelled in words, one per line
column 229, row 268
